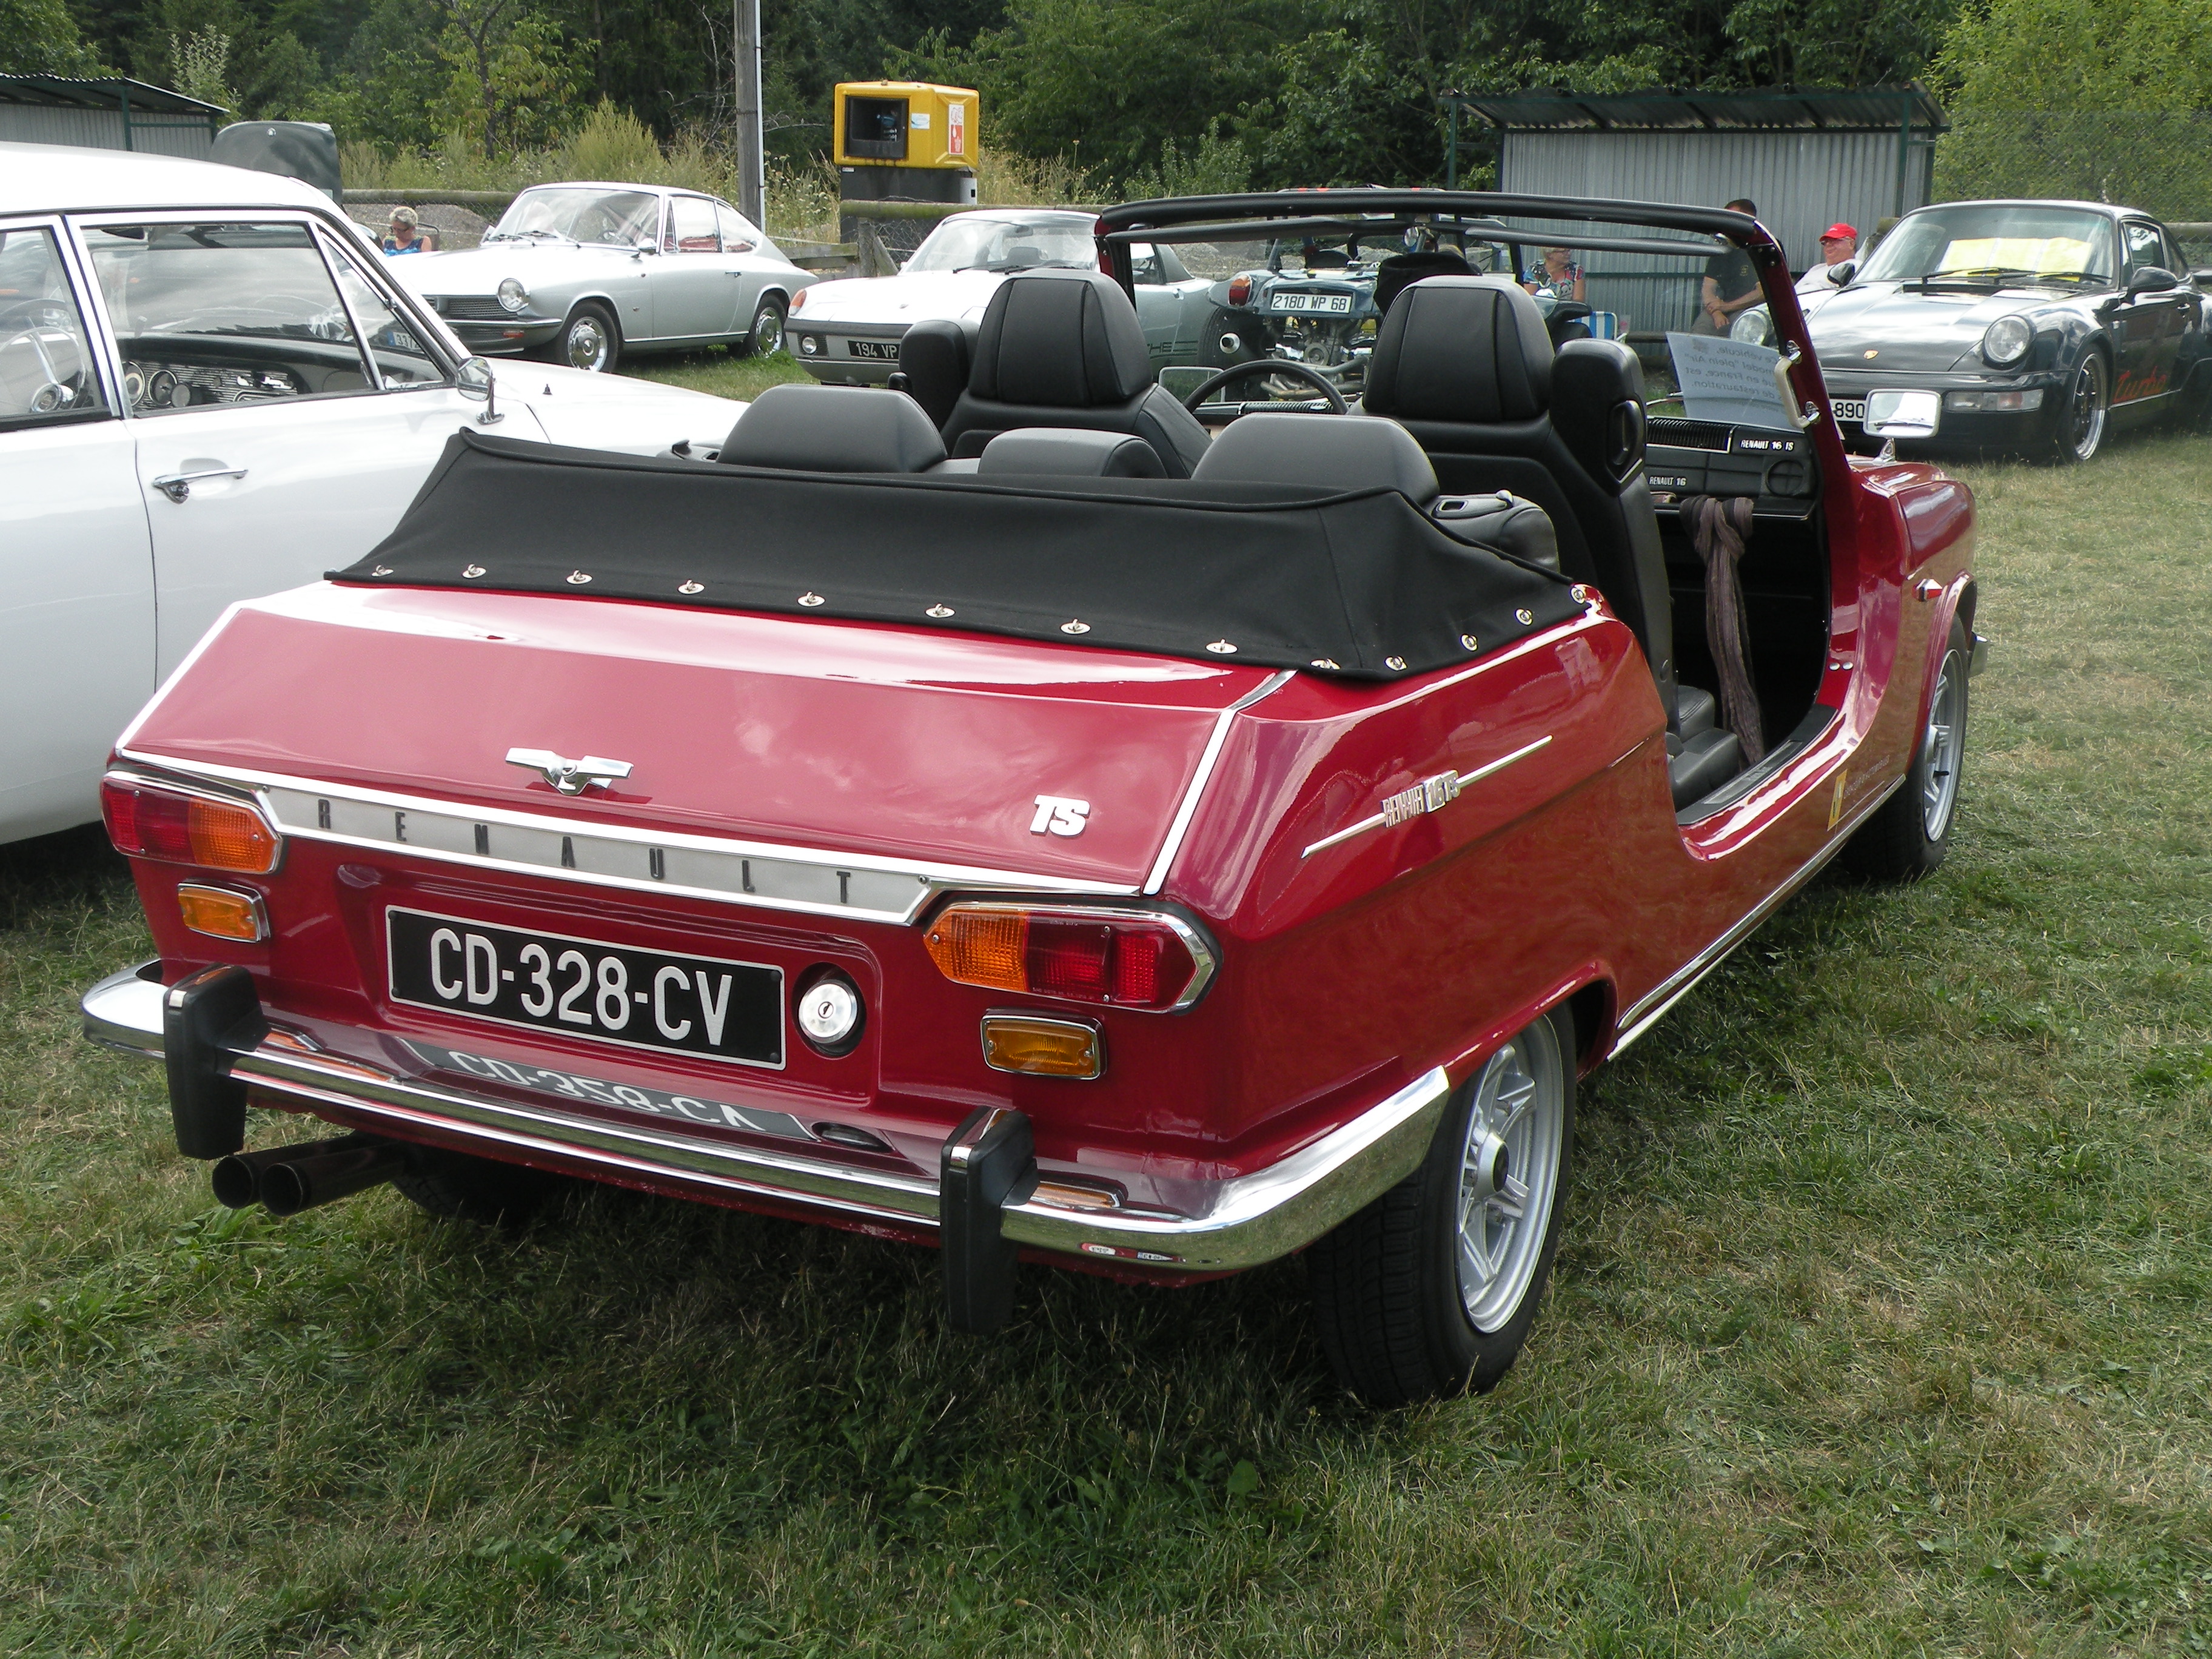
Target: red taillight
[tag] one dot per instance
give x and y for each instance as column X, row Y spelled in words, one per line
column 148, row 822
column 1240, row 290
column 1122, row 958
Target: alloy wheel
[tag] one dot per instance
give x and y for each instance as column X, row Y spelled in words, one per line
column 2086, row 408
column 1941, row 745
column 767, row 330
column 1510, row 1174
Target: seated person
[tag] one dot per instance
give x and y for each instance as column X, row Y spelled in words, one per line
column 409, row 235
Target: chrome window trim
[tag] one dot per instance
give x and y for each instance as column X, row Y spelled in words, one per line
column 768, row 875
column 84, row 290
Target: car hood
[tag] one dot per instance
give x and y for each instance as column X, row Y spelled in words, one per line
column 954, row 294
column 613, row 411
column 1881, row 326
column 480, row 270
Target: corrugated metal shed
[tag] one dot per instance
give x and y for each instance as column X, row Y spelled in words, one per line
column 111, row 113
column 1807, row 159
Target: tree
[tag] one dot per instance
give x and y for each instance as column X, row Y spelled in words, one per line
column 39, row 37
column 509, row 68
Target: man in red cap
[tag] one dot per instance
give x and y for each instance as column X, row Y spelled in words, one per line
column 1838, row 242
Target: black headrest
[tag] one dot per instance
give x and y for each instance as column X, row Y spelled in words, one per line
column 1060, row 339
column 1401, row 270
column 1597, row 405
column 1333, row 452
column 1466, row 349
column 934, row 355
column 1068, row 451
column 834, row 428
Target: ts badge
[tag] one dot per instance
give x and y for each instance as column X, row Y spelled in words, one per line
column 1060, row 815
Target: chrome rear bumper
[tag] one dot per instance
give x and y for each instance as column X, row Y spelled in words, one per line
column 1251, row 1219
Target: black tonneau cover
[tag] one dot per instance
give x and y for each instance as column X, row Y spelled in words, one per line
column 1360, row 584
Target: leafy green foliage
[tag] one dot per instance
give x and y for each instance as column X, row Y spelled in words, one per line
column 39, row 37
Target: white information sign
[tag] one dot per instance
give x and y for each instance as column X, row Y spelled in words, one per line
column 1730, row 381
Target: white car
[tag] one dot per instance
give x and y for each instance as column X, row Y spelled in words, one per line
column 848, row 330
column 211, row 389
column 581, row 273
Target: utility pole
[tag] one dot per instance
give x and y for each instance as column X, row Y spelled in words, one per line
column 751, row 155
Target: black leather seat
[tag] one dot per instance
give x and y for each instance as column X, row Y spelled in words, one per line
column 1463, row 363
column 834, row 428
column 1063, row 348
column 1401, row 270
column 935, row 357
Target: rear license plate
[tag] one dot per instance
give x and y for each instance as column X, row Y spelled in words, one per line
column 1313, row 302
column 879, row 349
column 586, row 988
column 1848, row 409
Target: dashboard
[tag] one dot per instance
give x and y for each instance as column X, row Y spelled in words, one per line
column 1774, row 466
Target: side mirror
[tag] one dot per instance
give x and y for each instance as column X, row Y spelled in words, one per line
column 1903, row 414
column 1842, row 273
column 474, row 381
column 2152, row 279
column 644, row 244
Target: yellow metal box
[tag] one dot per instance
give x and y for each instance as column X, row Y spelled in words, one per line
column 905, row 123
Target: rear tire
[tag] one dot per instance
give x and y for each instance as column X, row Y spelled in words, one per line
column 1909, row 833
column 455, row 1186
column 765, row 338
column 1431, row 1289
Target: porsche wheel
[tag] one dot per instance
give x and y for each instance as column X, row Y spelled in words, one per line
column 765, row 338
column 588, row 340
column 2081, row 419
column 454, row 1186
column 1909, row 833
column 1431, row 1289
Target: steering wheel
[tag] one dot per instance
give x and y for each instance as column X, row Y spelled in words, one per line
column 1259, row 366
column 56, row 392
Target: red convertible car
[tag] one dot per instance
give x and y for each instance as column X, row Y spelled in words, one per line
column 1046, row 829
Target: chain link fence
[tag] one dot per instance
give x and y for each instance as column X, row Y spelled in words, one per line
column 2159, row 161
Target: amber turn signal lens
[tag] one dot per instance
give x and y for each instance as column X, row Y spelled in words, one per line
column 149, row 822
column 220, row 913
column 1042, row 1047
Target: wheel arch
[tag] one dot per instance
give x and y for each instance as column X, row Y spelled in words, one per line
column 1591, row 998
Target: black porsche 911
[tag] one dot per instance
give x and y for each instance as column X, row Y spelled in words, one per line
column 2045, row 326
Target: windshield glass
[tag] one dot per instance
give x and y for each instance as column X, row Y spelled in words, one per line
column 1006, row 245
column 2025, row 239
column 617, row 217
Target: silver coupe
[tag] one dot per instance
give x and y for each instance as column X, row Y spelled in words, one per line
column 580, row 273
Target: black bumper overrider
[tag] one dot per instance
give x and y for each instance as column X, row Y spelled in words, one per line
column 987, row 1200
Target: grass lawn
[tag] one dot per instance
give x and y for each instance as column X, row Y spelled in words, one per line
column 1881, row 1329
column 719, row 370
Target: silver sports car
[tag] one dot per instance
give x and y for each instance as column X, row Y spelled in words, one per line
column 849, row 330
column 580, row 273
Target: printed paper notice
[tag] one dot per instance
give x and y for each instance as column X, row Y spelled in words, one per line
column 1730, row 381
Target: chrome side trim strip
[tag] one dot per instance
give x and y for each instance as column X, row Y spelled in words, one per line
column 1430, row 795
column 1189, row 809
column 761, row 874
column 1684, row 979
column 1250, row 1220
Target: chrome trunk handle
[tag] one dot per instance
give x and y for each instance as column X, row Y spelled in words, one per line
column 177, row 486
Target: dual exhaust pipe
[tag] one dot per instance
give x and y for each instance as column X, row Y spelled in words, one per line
column 285, row 1180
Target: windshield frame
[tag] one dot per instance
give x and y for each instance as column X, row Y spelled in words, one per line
column 1877, row 265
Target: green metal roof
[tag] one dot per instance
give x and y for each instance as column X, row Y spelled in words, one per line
column 1856, row 109
column 109, row 93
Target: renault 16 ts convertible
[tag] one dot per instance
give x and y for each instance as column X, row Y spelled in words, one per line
column 1055, row 831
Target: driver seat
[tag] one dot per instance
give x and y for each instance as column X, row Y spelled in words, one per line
column 1064, row 349
column 1464, row 364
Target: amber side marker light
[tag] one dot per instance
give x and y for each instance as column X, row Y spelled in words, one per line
column 1141, row 959
column 1042, row 1047
column 149, row 822
column 222, row 913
